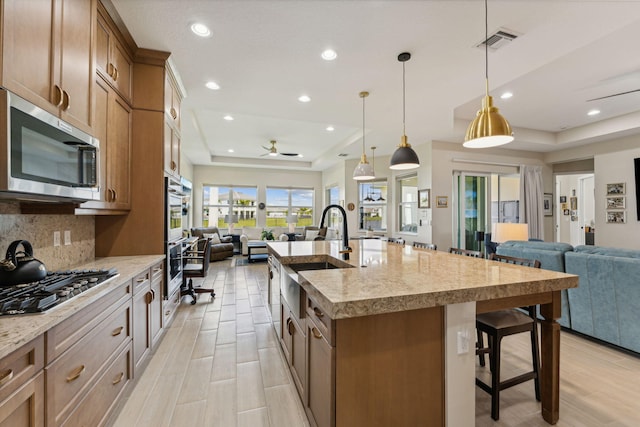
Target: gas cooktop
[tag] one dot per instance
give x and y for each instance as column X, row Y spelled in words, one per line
column 55, row 289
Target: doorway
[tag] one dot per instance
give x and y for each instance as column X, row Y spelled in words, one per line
column 575, row 209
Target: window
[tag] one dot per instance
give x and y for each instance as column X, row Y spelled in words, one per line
column 372, row 205
column 217, row 201
column 333, row 195
column 289, row 204
column 408, row 207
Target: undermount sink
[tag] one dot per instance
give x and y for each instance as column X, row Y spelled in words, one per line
column 305, row 266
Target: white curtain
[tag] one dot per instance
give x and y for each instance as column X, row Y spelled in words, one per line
column 531, row 200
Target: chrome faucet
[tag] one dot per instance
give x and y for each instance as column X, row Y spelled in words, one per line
column 345, row 234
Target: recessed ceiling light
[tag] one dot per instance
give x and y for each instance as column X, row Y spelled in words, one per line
column 300, row 155
column 304, row 98
column 199, row 29
column 329, row 55
column 228, row 118
column 330, row 128
column 593, row 113
column 230, row 150
column 506, row 95
column 212, row 85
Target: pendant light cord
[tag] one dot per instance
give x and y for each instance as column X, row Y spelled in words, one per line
column 363, row 125
column 486, row 47
column 403, row 101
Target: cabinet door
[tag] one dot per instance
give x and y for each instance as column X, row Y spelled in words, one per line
column 175, row 152
column 141, row 319
column 103, row 44
column 119, row 152
column 27, row 50
column 287, row 334
column 298, row 356
column 320, row 379
column 155, row 307
column 76, row 62
column 25, row 407
column 171, row 150
column 121, row 68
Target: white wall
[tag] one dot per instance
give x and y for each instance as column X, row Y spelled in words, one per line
column 222, row 175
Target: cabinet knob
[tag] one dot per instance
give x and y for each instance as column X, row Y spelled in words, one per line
column 174, row 113
column 317, row 312
column 289, row 324
column 316, row 333
column 6, row 377
column 118, row 378
column 117, row 331
column 116, row 74
column 76, row 373
column 115, row 195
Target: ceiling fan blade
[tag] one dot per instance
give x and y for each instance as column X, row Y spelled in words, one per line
column 290, row 154
column 615, row 94
column 266, row 148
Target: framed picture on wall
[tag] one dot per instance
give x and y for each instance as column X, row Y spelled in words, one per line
column 573, row 203
column 547, row 204
column 616, row 189
column 616, row 217
column 563, row 199
column 442, row 201
column 424, row 198
column 615, row 202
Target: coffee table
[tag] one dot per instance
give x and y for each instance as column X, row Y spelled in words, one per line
column 252, row 257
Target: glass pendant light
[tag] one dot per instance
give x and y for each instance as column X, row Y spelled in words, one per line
column 404, row 157
column 364, row 170
column 489, row 128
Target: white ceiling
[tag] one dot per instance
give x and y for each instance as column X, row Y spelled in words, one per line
column 264, row 54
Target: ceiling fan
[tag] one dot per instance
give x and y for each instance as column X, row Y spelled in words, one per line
column 615, row 94
column 272, row 151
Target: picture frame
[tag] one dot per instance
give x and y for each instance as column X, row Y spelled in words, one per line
column 442, row 201
column 424, row 198
column 547, row 204
column 573, row 202
column 616, row 217
column 565, row 211
column 563, row 199
column 616, row 202
column 616, row 189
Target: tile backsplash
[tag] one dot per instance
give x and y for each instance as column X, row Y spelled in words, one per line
column 39, row 229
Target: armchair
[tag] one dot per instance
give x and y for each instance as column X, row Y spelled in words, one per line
column 219, row 251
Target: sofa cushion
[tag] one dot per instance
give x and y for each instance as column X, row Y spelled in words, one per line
column 311, row 234
column 252, row 233
column 215, row 238
column 605, row 251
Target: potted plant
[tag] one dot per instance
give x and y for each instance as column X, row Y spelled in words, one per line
column 267, row 234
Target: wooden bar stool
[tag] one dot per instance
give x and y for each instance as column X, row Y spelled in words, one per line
column 502, row 323
column 428, row 246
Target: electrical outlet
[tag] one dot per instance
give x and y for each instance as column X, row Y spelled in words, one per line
column 56, row 238
column 463, row 342
column 67, row 237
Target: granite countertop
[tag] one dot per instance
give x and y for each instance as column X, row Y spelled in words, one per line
column 388, row 278
column 18, row 330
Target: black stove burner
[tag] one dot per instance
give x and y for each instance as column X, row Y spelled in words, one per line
column 51, row 291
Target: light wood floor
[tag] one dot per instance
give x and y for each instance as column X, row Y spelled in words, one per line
column 219, row 365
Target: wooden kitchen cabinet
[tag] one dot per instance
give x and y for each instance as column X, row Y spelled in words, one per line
column 172, row 100
column 113, row 130
column 294, row 346
column 113, row 61
column 50, row 62
column 155, row 307
column 320, row 402
column 22, row 386
column 147, row 312
column 171, row 150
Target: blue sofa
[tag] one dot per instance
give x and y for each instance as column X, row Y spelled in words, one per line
column 606, row 303
column 551, row 257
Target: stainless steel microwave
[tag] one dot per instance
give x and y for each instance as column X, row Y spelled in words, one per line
column 43, row 157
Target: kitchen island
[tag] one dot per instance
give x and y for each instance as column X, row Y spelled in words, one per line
column 393, row 329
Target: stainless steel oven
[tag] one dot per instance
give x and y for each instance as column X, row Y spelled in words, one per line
column 174, row 268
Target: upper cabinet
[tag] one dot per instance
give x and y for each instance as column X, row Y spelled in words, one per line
column 50, row 61
column 172, row 100
column 113, row 61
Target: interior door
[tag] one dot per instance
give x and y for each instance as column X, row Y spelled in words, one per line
column 473, row 208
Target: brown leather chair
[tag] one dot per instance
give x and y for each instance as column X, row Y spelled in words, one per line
column 502, row 323
column 196, row 264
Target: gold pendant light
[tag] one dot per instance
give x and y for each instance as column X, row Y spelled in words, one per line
column 489, row 128
column 364, row 171
column 404, row 157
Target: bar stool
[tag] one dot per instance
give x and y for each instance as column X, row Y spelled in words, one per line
column 502, row 323
column 428, row 246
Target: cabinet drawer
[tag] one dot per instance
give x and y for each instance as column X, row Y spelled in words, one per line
column 325, row 324
column 96, row 406
column 141, row 282
column 67, row 333
column 157, row 272
column 169, row 308
column 25, row 407
column 19, row 366
column 78, row 368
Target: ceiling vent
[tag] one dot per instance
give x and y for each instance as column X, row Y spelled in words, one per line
column 498, row 39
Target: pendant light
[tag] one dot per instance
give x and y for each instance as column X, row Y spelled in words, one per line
column 404, row 157
column 364, row 170
column 489, row 128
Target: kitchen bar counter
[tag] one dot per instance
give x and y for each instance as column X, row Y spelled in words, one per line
column 397, row 303
column 18, row 330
